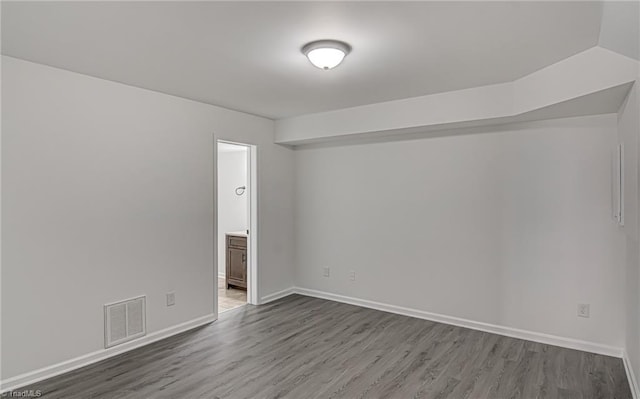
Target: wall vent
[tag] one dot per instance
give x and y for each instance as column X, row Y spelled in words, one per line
column 124, row 321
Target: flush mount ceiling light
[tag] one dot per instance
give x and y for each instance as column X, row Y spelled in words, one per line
column 326, row 54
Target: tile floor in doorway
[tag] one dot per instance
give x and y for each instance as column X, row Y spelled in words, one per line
column 229, row 298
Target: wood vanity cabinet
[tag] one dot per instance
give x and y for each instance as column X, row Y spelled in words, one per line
column 236, row 272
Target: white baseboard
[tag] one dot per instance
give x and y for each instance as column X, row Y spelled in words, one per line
column 276, row 295
column 32, row 377
column 633, row 382
column 221, row 275
column 474, row 325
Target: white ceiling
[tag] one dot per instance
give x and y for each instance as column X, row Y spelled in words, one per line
column 246, row 55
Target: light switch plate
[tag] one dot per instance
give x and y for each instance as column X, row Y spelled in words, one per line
column 171, row 298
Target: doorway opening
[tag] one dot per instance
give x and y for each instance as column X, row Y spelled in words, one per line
column 236, row 226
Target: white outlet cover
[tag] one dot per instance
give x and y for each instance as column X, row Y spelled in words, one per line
column 326, row 271
column 583, row 310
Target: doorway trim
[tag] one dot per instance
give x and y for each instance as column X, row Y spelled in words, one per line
column 252, row 218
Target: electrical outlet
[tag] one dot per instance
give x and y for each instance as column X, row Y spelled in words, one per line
column 326, row 271
column 171, row 298
column 352, row 275
column 583, row 310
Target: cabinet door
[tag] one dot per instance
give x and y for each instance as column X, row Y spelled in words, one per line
column 237, row 266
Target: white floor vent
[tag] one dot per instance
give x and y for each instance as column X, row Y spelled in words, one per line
column 124, row 321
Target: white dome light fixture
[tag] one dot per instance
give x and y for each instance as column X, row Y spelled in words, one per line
column 326, row 54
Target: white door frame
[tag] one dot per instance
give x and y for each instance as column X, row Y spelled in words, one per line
column 252, row 219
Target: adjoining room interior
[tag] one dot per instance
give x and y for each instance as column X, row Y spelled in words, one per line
column 422, row 199
column 233, row 225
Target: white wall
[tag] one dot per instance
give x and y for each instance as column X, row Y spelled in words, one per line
column 511, row 227
column 628, row 131
column 107, row 194
column 620, row 27
column 232, row 208
column 113, row 185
